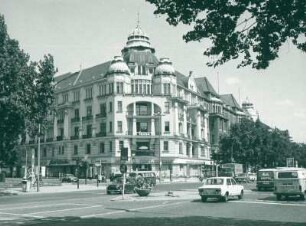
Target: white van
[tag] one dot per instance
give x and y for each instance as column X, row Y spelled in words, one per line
column 290, row 181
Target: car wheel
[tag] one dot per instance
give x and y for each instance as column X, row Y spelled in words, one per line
column 203, row 198
column 302, row 197
column 108, row 192
column 225, row 197
column 241, row 195
column 68, row 180
column 278, row 197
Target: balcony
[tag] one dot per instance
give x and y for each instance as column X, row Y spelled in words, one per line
column 144, row 153
column 49, row 139
column 32, row 142
column 143, row 133
column 60, row 121
column 77, row 119
column 74, row 137
column 101, row 134
column 86, row 118
column 87, row 136
column 101, row 115
column 59, row 138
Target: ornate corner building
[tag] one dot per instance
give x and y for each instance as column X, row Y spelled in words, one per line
column 165, row 119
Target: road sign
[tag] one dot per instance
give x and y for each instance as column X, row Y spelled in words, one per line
column 123, row 168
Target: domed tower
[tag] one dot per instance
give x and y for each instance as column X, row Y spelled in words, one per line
column 118, row 74
column 249, row 109
column 164, row 80
column 138, row 54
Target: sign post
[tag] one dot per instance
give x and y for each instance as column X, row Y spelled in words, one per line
column 123, row 169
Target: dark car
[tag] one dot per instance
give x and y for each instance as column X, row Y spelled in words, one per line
column 69, row 178
column 242, row 178
column 116, row 187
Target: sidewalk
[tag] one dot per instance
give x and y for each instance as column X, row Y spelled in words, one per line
column 55, row 189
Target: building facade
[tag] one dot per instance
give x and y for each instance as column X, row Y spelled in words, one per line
column 137, row 102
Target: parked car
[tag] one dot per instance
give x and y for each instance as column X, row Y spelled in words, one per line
column 221, row 188
column 116, row 187
column 69, row 178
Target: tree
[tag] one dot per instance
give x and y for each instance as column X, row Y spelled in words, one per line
column 256, row 145
column 253, row 30
column 26, row 93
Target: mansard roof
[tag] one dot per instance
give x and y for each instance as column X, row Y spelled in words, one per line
column 230, row 100
column 140, row 57
column 205, row 87
column 81, row 77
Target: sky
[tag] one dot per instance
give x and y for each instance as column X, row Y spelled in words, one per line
column 84, row 33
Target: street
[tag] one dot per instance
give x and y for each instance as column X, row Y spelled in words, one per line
column 184, row 208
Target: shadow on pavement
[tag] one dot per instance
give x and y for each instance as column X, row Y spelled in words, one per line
column 150, row 221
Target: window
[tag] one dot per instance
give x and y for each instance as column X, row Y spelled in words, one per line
column 89, row 130
column 110, row 107
column 76, row 96
column 103, row 109
column 121, row 145
column 53, row 153
column 167, row 107
column 167, row 126
column 103, row 129
column 75, row 150
column 76, row 113
column 102, row 89
column 119, row 124
column 110, row 146
column 180, row 148
column 111, row 88
column 76, row 131
column 102, row 147
column 110, row 127
column 119, row 87
column 88, row 93
column 88, row 149
column 45, row 152
column 119, row 106
column 89, row 111
column 65, row 97
column 166, row 88
column 202, row 151
column 142, row 127
column 142, row 109
column 166, row 146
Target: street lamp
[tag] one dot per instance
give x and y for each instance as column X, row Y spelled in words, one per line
column 158, row 114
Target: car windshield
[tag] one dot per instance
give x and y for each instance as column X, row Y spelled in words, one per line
column 214, row 181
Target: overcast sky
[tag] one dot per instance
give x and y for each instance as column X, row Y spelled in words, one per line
column 89, row 32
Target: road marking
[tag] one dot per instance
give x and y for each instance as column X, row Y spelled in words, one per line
column 130, row 210
column 39, row 206
column 63, row 210
column 21, row 214
column 272, row 203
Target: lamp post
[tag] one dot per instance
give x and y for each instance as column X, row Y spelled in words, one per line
column 158, row 114
column 38, row 159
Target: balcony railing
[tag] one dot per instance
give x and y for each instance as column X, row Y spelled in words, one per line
column 75, row 119
column 144, row 133
column 86, row 118
column 101, row 134
column 86, row 136
column 58, row 138
column 101, row 115
column 74, row 137
column 144, row 153
column 49, row 139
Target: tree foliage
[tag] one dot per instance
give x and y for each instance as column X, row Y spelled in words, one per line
column 26, row 93
column 253, row 30
column 256, row 145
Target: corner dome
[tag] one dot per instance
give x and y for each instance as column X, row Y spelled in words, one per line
column 164, row 67
column 138, row 39
column 118, row 66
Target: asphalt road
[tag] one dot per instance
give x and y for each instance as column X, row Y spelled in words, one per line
column 97, row 208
